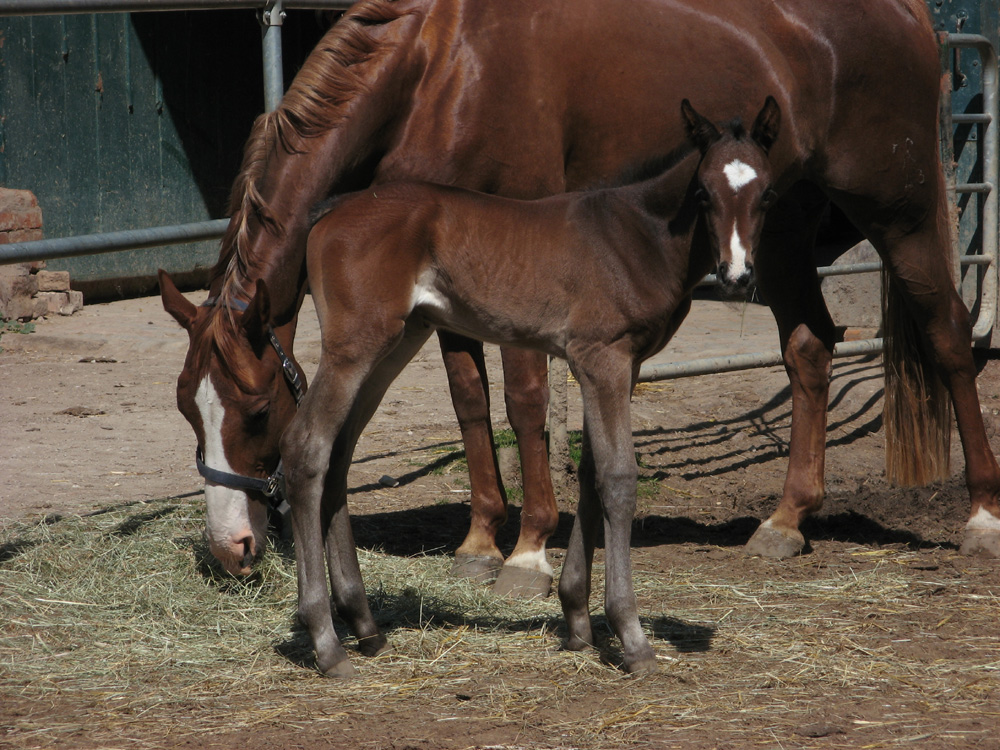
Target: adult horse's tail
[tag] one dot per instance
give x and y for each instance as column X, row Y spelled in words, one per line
column 917, row 410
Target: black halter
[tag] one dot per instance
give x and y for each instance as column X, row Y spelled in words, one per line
column 273, row 488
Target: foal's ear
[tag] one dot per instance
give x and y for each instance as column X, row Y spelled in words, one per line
column 175, row 303
column 258, row 314
column 699, row 130
column 767, row 124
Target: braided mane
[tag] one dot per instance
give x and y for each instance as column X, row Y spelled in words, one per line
column 314, row 104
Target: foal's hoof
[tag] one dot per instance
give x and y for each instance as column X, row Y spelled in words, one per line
column 769, row 541
column 981, row 543
column 479, row 568
column 373, row 645
column 342, row 669
column 644, row 665
column 522, row 583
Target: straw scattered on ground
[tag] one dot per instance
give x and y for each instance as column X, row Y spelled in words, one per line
column 117, row 629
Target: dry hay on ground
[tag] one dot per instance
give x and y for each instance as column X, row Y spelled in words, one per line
column 116, row 629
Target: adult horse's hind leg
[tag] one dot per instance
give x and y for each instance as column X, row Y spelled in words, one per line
column 788, row 282
column 919, row 263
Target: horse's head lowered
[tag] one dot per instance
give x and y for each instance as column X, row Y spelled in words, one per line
column 234, row 393
column 734, row 188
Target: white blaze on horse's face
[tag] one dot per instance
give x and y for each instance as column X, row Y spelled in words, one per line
column 740, row 176
column 233, row 535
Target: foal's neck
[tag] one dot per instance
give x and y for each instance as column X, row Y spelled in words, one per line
column 669, row 195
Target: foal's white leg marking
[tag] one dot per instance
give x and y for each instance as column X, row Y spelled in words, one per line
column 227, row 513
column 983, row 521
column 532, row 561
column 739, row 174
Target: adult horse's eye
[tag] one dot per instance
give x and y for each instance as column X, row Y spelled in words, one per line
column 768, row 199
column 260, row 412
column 701, row 195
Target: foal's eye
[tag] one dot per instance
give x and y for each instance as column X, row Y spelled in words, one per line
column 768, row 198
column 701, row 195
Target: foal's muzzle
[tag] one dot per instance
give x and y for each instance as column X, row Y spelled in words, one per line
column 732, row 284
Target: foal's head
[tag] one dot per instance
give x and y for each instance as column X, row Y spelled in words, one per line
column 232, row 392
column 734, row 188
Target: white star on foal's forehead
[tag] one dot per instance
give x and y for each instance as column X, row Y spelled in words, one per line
column 739, row 174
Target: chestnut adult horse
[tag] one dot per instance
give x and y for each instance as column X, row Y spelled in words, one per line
column 527, row 99
column 601, row 278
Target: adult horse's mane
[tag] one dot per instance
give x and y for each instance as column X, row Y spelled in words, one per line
column 315, row 104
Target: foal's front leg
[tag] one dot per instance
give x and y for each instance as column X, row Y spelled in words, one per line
column 609, row 477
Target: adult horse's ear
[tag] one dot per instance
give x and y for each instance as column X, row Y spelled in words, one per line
column 258, row 314
column 175, row 303
column 768, row 123
column 699, row 130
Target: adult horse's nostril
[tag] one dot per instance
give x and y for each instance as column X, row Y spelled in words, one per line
column 248, row 550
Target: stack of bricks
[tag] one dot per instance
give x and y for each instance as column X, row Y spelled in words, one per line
column 27, row 290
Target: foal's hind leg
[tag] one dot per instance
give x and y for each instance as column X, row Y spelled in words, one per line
column 317, row 449
column 341, row 551
column 788, row 283
column 318, row 507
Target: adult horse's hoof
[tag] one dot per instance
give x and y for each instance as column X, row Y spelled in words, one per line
column 769, row 541
column 479, row 568
column 981, row 543
column 522, row 583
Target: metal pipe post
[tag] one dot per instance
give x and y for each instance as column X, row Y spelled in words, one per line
column 274, row 77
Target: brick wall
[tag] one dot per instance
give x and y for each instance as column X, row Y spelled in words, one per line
column 27, row 290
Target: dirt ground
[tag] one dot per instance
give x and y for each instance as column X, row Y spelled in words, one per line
column 89, row 422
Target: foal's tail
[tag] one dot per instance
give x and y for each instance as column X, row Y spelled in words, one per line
column 917, row 411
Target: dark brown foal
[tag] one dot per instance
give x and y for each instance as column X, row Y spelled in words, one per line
column 602, row 279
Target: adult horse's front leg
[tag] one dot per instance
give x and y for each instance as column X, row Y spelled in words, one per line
column 478, row 557
column 527, row 573
column 608, row 480
column 788, row 282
